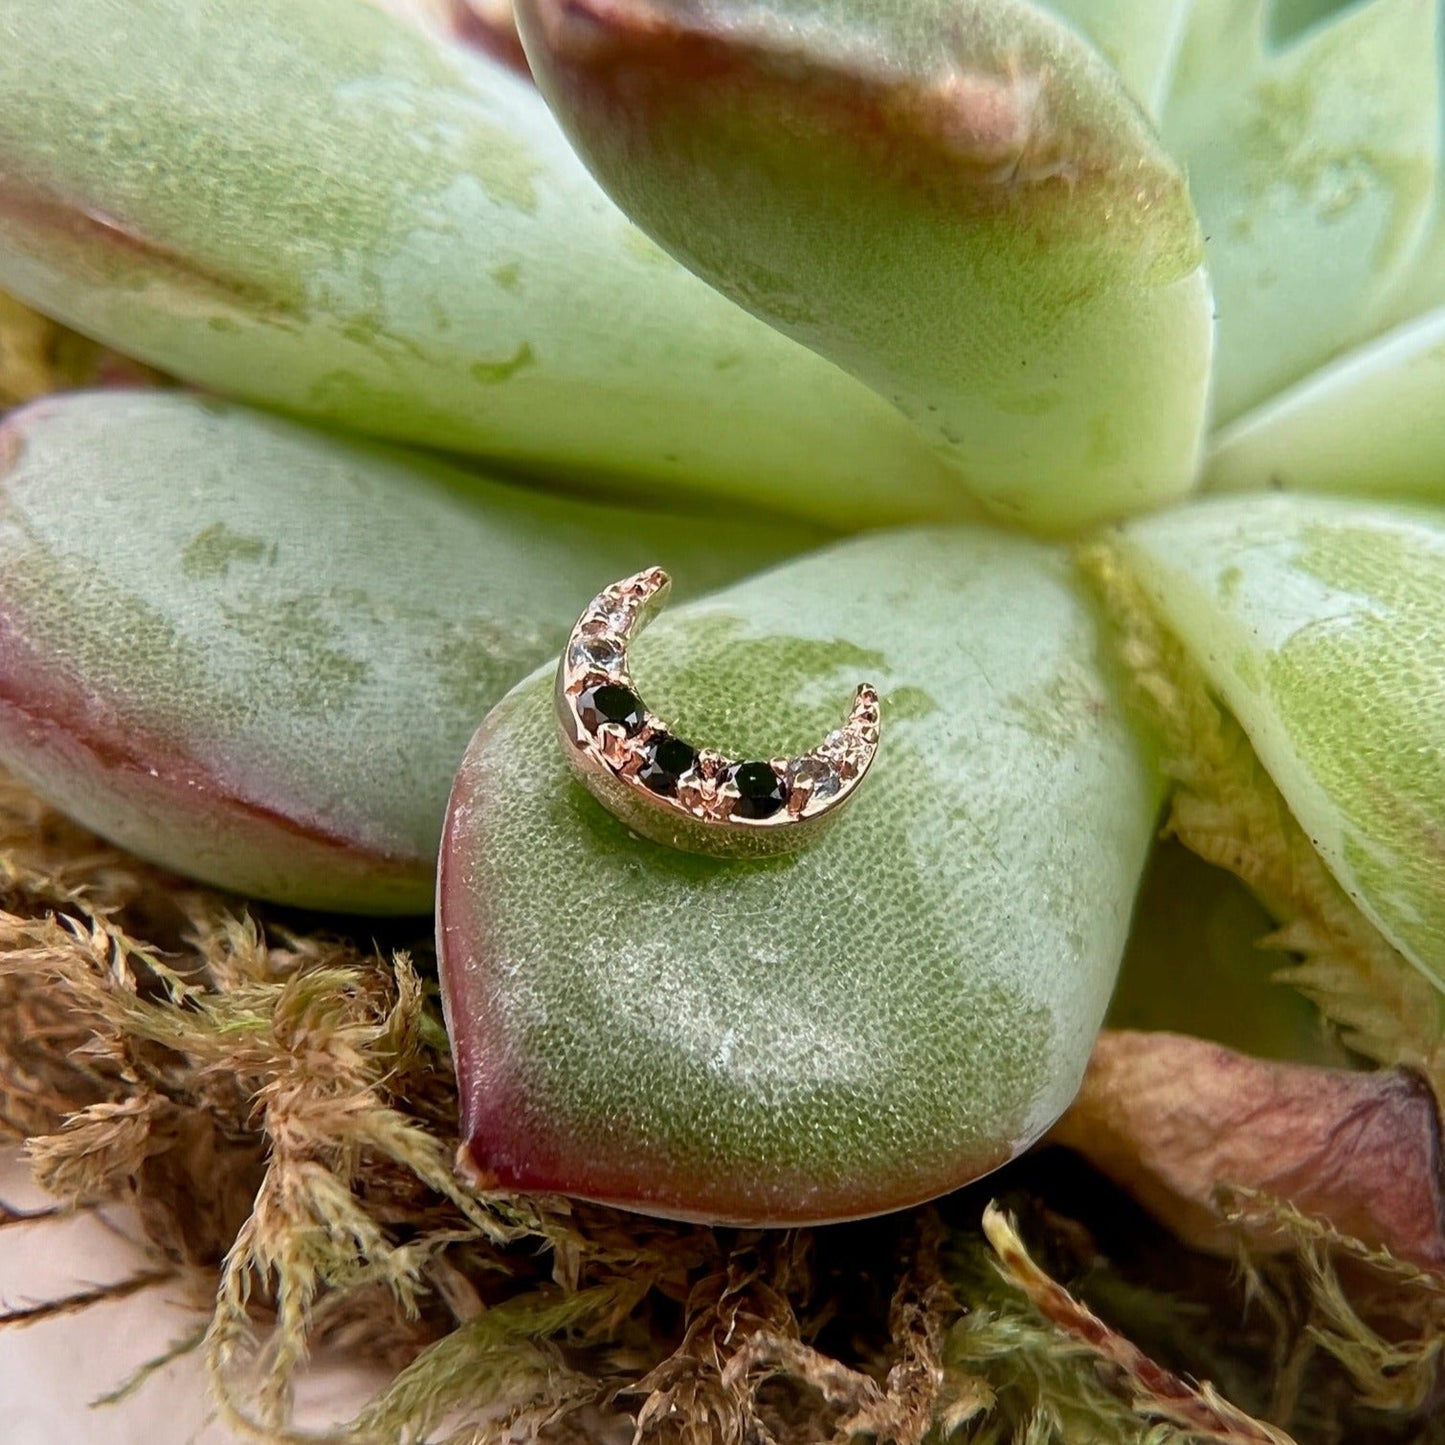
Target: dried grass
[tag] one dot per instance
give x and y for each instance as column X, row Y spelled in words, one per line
column 275, row 1100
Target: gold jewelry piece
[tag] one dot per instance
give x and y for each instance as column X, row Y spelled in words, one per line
column 666, row 789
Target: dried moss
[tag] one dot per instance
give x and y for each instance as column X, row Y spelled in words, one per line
column 276, row 1102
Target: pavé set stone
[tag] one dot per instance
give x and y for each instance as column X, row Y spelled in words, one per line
column 662, row 786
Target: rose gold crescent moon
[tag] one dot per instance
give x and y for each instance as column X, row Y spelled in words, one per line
column 662, row 786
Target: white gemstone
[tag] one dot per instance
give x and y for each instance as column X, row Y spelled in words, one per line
column 614, row 614
column 816, row 775
column 594, row 653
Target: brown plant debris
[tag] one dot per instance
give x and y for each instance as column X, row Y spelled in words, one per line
column 1171, row 1119
column 1153, row 1392
column 1379, row 1317
column 1226, row 809
column 274, row 1099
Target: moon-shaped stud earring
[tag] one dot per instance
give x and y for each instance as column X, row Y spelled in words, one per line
column 665, row 788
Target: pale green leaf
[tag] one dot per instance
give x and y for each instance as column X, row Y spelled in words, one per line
column 1313, row 169
column 255, row 653
column 1139, row 38
column 317, row 206
column 957, row 202
column 1371, row 423
column 849, row 1029
column 1321, row 622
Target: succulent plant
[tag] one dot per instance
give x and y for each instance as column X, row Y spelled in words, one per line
column 1031, row 279
column 234, row 658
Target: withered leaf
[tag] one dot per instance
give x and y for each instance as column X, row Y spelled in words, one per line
column 1175, row 1120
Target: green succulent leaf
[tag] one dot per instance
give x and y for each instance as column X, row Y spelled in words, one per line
column 956, row 200
column 1321, row 622
column 848, row 1029
column 319, row 207
column 1288, row 19
column 255, row 653
column 1139, row 38
column 1197, row 965
column 1314, row 170
column 1371, row 423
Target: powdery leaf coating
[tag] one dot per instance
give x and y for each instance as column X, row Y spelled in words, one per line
column 955, row 200
column 1321, row 622
column 841, row 1031
column 319, row 207
column 1173, row 1120
column 1139, row 38
column 1372, row 423
column 254, row 653
column 1314, row 169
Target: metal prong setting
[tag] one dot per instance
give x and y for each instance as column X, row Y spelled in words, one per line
column 664, row 787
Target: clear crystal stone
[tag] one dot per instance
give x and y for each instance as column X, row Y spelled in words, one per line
column 815, row 775
column 615, row 614
column 594, row 652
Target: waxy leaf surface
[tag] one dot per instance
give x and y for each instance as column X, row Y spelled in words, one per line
column 1313, row 167
column 320, row 207
column 1373, row 423
column 255, row 653
column 957, row 202
column 848, row 1029
column 1139, row 38
column 1321, row 623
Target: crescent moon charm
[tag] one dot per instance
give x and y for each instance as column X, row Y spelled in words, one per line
column 664, row 788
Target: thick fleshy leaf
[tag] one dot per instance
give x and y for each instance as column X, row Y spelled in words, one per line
column 1321, row 623
column 487, row 24
column 956, row 200
column 320, row 207
column 255, row 653
column 1139, row 38
column 848, row 1029
column 491, row 26
column 1374, row 422
column 1313, row 169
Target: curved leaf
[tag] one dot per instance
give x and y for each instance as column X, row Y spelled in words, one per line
column 1139, row 38
column 254, row 653
column 854, row 1027
column 1314, row 170
column 319, row 207
column 1322, row 624
column 957, row 202
column 1373, row 423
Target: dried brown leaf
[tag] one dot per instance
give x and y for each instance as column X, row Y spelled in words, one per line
column 1154, row 1392
column 1173, row 1120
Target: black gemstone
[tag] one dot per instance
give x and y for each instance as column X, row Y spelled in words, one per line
column 606, row 702
column 761, row 792
column 668, row 760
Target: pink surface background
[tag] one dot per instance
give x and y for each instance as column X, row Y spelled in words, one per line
column 51, row 1372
